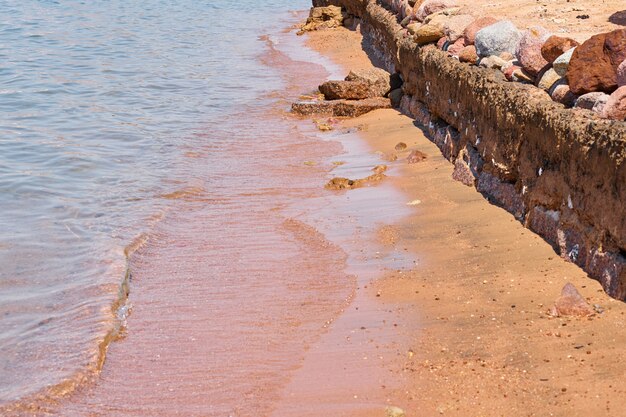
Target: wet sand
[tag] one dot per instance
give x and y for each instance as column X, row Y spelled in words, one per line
column 481, row 291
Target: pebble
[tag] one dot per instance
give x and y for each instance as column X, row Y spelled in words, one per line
column 400, row 146
column 393, row 411
column 416, row 156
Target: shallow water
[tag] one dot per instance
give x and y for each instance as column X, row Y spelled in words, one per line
column 114, row 116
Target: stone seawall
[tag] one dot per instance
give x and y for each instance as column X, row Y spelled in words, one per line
column 562, row 172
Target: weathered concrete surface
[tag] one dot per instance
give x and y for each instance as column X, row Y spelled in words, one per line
column 562, row 172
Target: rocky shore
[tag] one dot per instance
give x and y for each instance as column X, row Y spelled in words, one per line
column 531, row 119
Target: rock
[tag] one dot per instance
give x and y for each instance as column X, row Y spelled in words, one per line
column 429, row 32
column 463, row 173
column 442, row 15
column 548, row 79
column 400, row 146
column 593, row 66
column 510, row 69
column 432, row 6
column 562, row 94
column 378, row 79
column 416, row 156
column 379, row 169
column 454, row 27
column 323, row 18
column 412, row 28
column 555, row 46
column 561, row 63
column 507, row 56
column 493, row 62
column 396, row 97
column 394, row 412
column 522, row 76
column 468, row 54
column 340, row 108
column 589, row 100
column 600, row 104
column 621, row 74
column 500, row 37
column 402, row 8
column 571, row 303
column 456, row 48
column 339, row 183
column 443, row 43
column 470, row 31
column 615, row 107
column 528, row 51
column 349, row 90
column 468, row 165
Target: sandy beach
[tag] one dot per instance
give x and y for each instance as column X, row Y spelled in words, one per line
column 481, row 292
column 180, row 241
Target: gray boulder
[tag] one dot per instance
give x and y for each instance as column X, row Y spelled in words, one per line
column 495, row 39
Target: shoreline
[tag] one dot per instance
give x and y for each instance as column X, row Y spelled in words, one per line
column 484, row 287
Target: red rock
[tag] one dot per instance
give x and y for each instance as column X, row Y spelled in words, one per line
column 416, row 156
column 349, row 90
column 470, row 31
column 456, row 48
column 615, row 107
column 468, row 54
column 571, row 303
column 508, row 73
column 528, row 51
column 441, row 43
column 621, row 74
column 593, row 66
column 555, row 46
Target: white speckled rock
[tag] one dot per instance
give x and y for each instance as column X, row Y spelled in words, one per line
column 562, row 62
column 495, row 39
